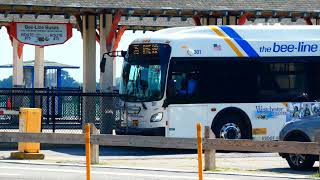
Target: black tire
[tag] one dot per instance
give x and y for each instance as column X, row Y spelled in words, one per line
column 221, row 126
column 300, row 162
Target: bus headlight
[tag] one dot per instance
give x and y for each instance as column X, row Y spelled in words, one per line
column 156, row 117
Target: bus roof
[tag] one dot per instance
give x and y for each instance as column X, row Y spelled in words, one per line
column 238, row 41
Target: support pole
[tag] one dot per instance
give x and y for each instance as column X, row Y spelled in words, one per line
column 17, row 65
column 89, row 67
column 208, row 21
column 229, row 20
column 212, row 21
column 106, row 77
column 209, row 154
column 39, row 67
column 199, row 138
column 89, row 54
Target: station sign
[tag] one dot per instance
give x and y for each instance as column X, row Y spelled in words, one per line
column 41, row 34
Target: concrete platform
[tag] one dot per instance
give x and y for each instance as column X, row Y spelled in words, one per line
column 26, row 156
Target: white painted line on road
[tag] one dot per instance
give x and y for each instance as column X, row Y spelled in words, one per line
column 9, row 174
column 110, row 173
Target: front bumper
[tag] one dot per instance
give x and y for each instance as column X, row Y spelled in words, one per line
column 159, row 131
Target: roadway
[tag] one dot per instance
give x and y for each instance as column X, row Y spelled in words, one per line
column 24, row 171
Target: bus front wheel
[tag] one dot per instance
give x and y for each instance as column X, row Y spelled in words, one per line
column 230, row 126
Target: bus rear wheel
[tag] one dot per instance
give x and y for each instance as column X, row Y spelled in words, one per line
column 230, row 126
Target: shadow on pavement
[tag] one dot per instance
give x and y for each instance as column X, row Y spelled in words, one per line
column 121, row 151
column 291, row 171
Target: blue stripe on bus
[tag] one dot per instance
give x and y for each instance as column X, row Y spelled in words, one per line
column 242, row 43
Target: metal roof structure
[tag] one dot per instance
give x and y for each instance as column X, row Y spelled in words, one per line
column 165, row 8
column 132, row 23
column 47, row 65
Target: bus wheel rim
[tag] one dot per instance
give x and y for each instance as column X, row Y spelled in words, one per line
column 230, row 131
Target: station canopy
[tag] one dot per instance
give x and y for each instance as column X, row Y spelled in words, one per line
column 154, row 15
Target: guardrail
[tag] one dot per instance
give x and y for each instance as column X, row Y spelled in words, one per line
column 210, row 144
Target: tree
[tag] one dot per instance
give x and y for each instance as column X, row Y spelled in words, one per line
column 6, row 83
column 68, row 81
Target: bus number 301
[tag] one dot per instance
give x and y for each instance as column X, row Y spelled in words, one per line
column 197, row 51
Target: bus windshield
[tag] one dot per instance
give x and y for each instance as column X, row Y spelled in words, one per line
column 144, row 72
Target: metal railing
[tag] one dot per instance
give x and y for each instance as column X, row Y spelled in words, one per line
column 63, row 110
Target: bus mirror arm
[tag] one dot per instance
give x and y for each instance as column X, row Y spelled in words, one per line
column 165, row 103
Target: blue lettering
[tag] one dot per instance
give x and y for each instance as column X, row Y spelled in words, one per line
column 300, row 47
column 290, row 48
column 314, row 48
column 276, row 48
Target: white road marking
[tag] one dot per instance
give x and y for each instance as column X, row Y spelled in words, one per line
column 110, row 173
column 9, row 174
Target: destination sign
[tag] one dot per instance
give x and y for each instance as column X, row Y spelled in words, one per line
column 144, row 50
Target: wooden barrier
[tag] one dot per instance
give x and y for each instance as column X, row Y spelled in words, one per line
column 210, row 144
column 209, row 154
column 94, row 147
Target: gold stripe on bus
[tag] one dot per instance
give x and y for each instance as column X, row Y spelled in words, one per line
column 228, row 40
column 259, row 131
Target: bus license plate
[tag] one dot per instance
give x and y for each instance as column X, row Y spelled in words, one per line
column 135, row 122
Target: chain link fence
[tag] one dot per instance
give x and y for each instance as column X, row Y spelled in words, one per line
column 63, row 110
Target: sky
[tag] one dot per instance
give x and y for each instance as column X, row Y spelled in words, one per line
column 69, row 53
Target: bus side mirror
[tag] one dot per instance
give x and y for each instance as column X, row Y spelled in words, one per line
column 103, row 63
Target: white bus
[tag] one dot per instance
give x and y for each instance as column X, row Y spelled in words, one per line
column 242, row 81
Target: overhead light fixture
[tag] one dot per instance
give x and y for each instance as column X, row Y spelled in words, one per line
column 294, row 19
column 258, row 13
column 195, row 12
column 130, row 12
column 154, row 18
column 183, row 18
column 164, row 12
column 66, row 16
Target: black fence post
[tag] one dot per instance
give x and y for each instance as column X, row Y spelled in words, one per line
column 48, row 106
column 40, row 93
column 53, row 113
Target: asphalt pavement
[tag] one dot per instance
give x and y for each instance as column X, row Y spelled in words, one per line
column 20, row 171
column 145, row 163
